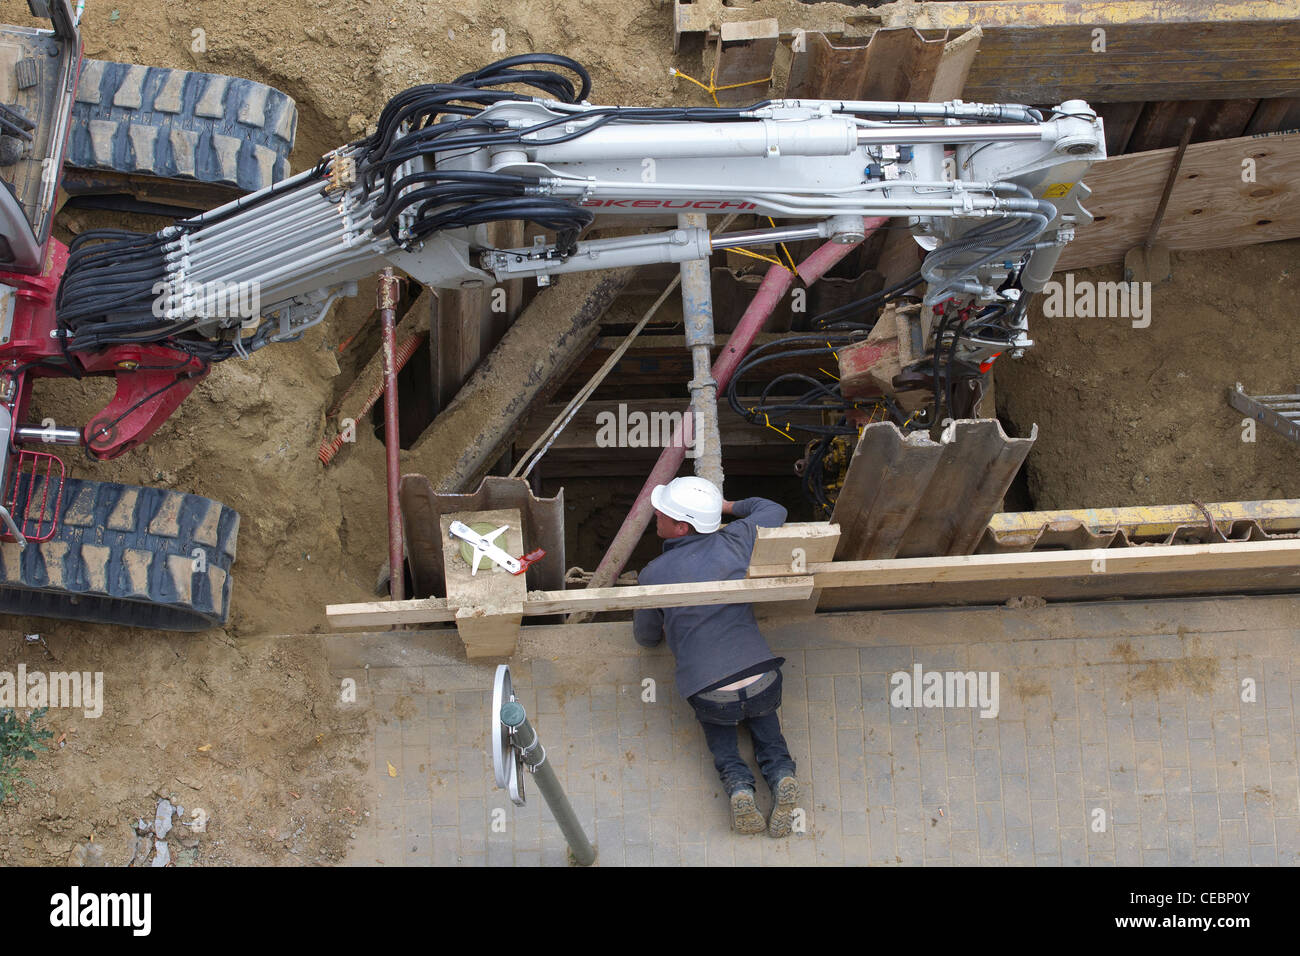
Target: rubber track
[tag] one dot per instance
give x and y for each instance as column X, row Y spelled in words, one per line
column 175, row 124
column 140, row 557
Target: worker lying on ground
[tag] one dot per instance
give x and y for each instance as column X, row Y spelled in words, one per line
column 725, row 669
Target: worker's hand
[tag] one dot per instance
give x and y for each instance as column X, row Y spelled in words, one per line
column 726, row 506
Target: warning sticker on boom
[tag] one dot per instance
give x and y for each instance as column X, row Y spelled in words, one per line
column 1057, row 190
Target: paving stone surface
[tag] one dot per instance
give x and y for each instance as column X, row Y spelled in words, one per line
column 1134, row 733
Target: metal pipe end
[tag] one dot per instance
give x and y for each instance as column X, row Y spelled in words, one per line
column 512, row 714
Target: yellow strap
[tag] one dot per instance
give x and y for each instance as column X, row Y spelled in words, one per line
column 758, row 255
column 788, row 258
column 712, row 87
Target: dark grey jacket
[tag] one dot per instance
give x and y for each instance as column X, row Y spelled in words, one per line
column 710, row 642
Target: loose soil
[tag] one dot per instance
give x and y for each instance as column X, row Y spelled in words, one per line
column 1131, row 416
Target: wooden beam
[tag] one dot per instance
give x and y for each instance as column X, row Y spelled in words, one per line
column 743, row 591
column 1045, row 51
column 817, row 540
column 797, row 544
column 428, row 610
column 596, row 422
column 489, row 603
column 552, row 333
column 456, row 343
column 1161, row 125
column 1100, row 573
column 386, row 613
column 1275, row 116
column 974, row 568
column 1212, row 206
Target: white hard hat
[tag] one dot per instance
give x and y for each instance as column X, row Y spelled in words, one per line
column 697, row 501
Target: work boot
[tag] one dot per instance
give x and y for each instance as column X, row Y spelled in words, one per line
column 745, row 817
column 784, row 796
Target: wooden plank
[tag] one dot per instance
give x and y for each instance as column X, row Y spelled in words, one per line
column 940, row 14
column 597, row 422
column 1044, row 51
column 1275, row 116
column 971, row 568
column 744, row 591
column 1119, row 120
column 503, row 302
column 386, row 613
column 457, row 345
column 1098, row 587
column 1211, row 207
column 1161, row 125
column 489, row 631
column 918, row 582
column 817, row 539
column 489, row 603
column 696, row 20
column 798, row 544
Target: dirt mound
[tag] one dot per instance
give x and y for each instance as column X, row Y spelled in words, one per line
column 1139, row 416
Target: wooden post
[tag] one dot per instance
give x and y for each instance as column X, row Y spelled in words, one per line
column 489, row 603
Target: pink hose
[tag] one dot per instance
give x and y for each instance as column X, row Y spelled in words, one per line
column 775, row 285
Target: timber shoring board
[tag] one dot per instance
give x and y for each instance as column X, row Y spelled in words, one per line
column 1153, row 61
column 1104, row 573
column 488, row 602
column 919, row 582
column 1161, row 124
column 643, row 427
column 1099, row 562
column 429, row 610
column 1044, row 51
column 1211, row 206
column 538, row 352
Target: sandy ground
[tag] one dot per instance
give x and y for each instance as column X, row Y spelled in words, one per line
column 1140, row 416
column 248, row 727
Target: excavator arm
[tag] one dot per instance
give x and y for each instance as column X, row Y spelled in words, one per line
column 991, row 192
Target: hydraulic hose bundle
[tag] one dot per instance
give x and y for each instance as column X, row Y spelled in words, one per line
column 497, row 145
column 114, row 288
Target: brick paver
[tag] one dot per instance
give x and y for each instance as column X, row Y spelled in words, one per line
column 1126, row 735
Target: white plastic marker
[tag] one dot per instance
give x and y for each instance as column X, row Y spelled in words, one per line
column 485, row 548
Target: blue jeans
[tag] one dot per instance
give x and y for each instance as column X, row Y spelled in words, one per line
column 720, row 721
